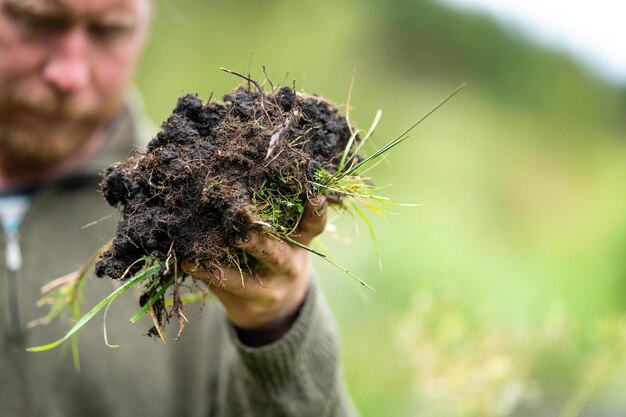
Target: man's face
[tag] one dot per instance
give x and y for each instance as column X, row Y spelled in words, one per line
column 64, row 68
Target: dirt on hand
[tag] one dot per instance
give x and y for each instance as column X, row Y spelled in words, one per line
column 217, row 172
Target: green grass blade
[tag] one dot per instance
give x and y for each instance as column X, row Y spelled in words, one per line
column 323, row 256
column 385, row 200
column 402, row 136
column 369, row 133
column 139, row 314
column 104, row 326
column 434, row 109
column 74, row 341
column 141, row 276
column 371, row 230
column 338, row 190
column 346, row 151
column 146, row 291
column 363, row 294
column 375, row 155
column 104, row 319
column 372, row 166
column 300, row 245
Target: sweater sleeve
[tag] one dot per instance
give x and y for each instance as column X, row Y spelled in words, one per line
column 298, row 375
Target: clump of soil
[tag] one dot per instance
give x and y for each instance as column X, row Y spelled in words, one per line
column 217, row 172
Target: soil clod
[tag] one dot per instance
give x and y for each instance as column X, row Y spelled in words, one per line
column 217, row 172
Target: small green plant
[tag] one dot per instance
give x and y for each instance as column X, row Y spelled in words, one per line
column 280, row 211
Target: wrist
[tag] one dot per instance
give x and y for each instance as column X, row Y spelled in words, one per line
column 268, row 333
column 269, row 306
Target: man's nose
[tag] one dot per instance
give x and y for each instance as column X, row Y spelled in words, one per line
column 67, row 69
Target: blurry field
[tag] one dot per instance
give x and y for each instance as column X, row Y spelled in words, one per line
column 520, row 178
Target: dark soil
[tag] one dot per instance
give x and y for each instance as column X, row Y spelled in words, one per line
column 217, row 172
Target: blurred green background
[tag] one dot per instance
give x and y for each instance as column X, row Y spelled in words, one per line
column 520, row 180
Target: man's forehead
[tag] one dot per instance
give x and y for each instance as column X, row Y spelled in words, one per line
column 80, row 8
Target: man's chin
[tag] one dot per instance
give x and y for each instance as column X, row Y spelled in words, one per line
column 27, row 152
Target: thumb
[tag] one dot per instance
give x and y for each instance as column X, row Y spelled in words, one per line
column 313, row 221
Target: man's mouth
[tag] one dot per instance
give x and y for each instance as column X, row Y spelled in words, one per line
column 35, row 116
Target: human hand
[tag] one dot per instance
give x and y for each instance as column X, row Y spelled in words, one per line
column 270, row 299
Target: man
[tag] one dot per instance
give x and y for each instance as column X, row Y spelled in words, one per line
column 265, row 349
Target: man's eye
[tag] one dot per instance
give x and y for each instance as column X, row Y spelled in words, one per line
column 47, row 24
column 37, row 24
column 108, row 32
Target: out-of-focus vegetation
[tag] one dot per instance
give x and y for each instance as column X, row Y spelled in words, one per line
column 489, row 367
column 521, row 178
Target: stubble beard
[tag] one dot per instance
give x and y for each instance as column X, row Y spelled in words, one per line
column 37, row 133
column 25, row 150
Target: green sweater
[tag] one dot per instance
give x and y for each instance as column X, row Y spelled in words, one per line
column 209, row 372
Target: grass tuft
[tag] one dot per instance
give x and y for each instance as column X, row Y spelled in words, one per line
column 153, row 266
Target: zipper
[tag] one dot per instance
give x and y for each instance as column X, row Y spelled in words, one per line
column 13, row 260
column 11, row 217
